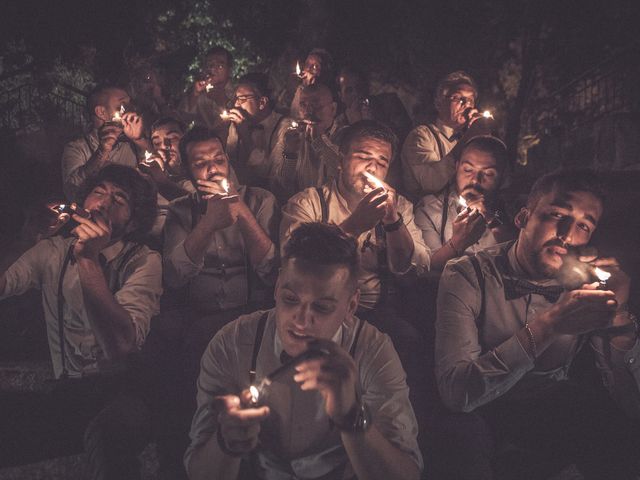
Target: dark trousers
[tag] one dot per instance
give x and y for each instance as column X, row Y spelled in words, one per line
column 537, row 437
column 94, row 414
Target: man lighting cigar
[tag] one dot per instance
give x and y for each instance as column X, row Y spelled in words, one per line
column 342, row 416
column 507, row 334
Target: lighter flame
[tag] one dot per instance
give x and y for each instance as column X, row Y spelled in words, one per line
column 255, row 393
column 294, row 124
column 462, row 202
column 487, row 114
column 147, row 155
column 224, row 115
column 373, row 180
column 208, row 87
column 117, row 117
column 601, row 274
column 298, row 71
column 225, row 185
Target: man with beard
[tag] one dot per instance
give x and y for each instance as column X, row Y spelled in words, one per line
column 449, row 227
column 507, row 334
column 218, row 243
column 100, row 288
column 306, row 155
column 427, row 165
column 254, row 131
column 210, row 92
column 115, row 138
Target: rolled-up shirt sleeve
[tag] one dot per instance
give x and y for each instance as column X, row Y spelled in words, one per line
column 267, row 215
column 26, row 272
column 421, row 255
column 422, row 163
column 141, row 291
column 74, row 158
column 386, row 394
column 468, row 377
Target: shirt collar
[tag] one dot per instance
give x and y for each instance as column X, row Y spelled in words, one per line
column 447, row 131
column 112, row 251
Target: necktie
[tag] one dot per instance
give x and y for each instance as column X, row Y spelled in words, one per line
column 516, row 288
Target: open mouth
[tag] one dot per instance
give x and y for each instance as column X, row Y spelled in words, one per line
column 299, row 336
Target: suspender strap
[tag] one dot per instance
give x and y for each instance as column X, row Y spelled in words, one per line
column 438, row 141
column 63, row 271
column 115, row 284
column 476, row 266
column 354, row 345
column 445, row 212
column 256, row 346
column 323, row 205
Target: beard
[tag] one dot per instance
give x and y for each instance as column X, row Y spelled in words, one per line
column 542, row 261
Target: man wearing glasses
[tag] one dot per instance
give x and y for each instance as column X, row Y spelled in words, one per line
column 254, row 130
column 427, row 163
column 306, row 155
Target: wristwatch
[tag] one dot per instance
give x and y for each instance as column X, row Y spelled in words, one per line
column 358, row 420
column 392, row 227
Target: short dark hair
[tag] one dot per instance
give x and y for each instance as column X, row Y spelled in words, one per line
column 218, row 49
column 491, row 145
column 162, row 121
column 143, row 196
column 453, row 81
column 371, row 129
column 567, row 180
column 196, row 134
column 99, row 96
column 258, row 81
column 323, row 244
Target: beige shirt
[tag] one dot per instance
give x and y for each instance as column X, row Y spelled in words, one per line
column 223, row 279
column 305, row 207
column 77, row 153
column 424, row 171
column 316, row 163
column 428, row 216
column 296, row 440
column 479, row 360
column 204, row 111
column 137, row 286
column 264, row 138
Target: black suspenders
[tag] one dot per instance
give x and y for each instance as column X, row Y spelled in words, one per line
column 260, row 333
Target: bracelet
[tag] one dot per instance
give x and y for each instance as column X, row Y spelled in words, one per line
column 223, row 446
column 532, row 341
column 392, row 227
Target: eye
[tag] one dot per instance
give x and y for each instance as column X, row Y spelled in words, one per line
column 322, row 308
column 467, row 170
column 490, row 173
column 289, row 298
column 557, row 215
column 583, row 226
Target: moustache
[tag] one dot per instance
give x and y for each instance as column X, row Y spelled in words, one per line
column 475, row 187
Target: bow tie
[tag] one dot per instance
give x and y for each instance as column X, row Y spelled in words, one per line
column 285, row 357
column 516, row 288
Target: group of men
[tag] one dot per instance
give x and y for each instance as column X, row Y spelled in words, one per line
column 288, row 252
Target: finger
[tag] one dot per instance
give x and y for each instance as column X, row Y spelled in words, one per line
column 246, row 416
column 604, row 262
column 226, row 402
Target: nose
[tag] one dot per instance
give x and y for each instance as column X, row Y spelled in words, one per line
column 303, row 318
column 566, row 230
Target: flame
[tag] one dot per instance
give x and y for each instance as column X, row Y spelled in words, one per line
column 117, row 116
column 225, row 185
column 255, row 393
column 208, row 87
column 373, row 180
column 147, row 155
column 294, row 124
column 487, row 114
column 298, row 71
column 601, row 274
column 224, row 115
column 462, row 202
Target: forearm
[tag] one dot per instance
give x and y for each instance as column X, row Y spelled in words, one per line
column 110, row 322
column 440, row 257
column 400, row 249
column 198, row 240
column 208, row 461
column 256, row 239
column 96, row 161
column 373, row 457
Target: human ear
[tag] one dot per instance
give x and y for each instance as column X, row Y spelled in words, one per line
column 101, row 113
column 522, row 217
column 354, row 301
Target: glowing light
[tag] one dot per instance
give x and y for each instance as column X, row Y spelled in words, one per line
column 209, row 87
column 224, row 115
column 225, row 185
column 601, row 274
column 147, row 155
column 487, row 114
column 117, row 116
column 294, row 124
column 255, row 394
column 462, row 202
column 376, row 182
column 298, row 70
